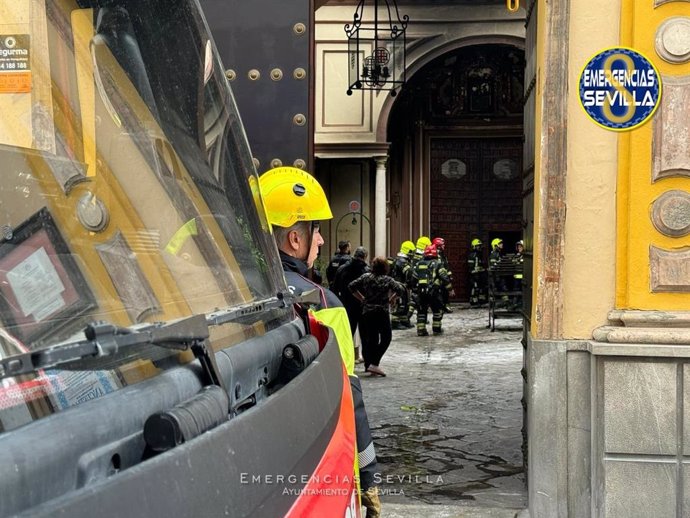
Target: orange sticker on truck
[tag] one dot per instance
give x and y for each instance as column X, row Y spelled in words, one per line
column 15, row 63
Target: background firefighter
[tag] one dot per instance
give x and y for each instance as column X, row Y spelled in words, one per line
column 440, row 245
column 477, row 272
column 401, row 271
column 417, row 255
column 427, row 278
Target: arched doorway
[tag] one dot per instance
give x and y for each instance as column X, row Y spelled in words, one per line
column 456, row 138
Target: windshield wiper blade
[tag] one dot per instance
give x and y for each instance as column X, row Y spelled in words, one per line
column 104, row 340
column 245, row 312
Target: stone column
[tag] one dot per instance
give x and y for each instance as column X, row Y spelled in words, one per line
column 380, row 208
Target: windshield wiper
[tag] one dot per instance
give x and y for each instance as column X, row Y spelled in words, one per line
column 104, row 340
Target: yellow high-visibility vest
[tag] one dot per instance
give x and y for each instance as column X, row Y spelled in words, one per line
column 336, row 319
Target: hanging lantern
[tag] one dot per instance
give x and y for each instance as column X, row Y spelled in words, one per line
column 376, row 48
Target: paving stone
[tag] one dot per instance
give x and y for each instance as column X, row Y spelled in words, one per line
column 450, row 407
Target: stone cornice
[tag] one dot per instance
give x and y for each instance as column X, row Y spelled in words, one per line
column 352, row 150
column 646, row 327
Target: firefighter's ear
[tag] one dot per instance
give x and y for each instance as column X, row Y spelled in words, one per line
column 294, row 240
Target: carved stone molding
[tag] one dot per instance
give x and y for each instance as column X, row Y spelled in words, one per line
column 645, row 327
column 671, row 140
column 129, row 281
column 672, row 41
column 671, row 213
column 669, row 270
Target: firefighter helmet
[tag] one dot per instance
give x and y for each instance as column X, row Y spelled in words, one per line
column 439, row 242
column 407, row 247
column 476, row 242
column 430, row 251
column 495, row 242
column 423, row 242
column 291, row 195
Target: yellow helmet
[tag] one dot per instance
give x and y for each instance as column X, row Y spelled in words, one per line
column 291, row 195
column 476, row 242
column 423, row 242
column 407, row 247
column 495, row 242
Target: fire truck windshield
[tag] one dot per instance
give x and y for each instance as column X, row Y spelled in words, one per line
column 129, row 194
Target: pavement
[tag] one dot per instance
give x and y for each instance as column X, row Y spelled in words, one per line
column 447, row 420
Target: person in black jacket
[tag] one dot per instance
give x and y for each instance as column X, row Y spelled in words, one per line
column 347, row 273
column 337, row 261
column 294, row 203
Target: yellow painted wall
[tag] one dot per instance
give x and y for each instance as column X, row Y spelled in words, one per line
column 640, row 22
column 590, row 229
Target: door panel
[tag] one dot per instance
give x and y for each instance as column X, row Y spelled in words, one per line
column 476, row 191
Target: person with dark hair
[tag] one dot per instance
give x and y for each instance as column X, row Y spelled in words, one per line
column 337, row 261
column 351, row 270
column 375, row 290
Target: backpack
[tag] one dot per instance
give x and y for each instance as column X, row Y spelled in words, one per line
column 423, row 275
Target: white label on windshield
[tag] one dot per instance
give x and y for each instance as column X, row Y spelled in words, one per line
column 37, row 285
column 71, row 388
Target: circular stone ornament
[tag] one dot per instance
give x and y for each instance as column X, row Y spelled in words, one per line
column 671, row 213
column 672, row 42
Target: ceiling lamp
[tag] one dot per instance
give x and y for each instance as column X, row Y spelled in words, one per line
column 376, row 48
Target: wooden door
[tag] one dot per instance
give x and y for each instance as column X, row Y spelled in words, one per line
column 475, row 191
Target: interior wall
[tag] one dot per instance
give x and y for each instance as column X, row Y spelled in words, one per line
column 345, row 181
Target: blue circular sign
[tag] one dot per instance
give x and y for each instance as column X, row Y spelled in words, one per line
column 620, row 89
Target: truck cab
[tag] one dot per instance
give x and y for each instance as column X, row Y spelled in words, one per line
column 152, row 360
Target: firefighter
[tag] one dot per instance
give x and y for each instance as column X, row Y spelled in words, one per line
column 440, row 244
column 496, row 251
column 477, row 271
column 421, row 245
column 417, row 256
column 519, row 249
column 295, row 203
column 500, row 283
column 428, row 277
column 401, row 272
column 408, row 248
column 337, row 261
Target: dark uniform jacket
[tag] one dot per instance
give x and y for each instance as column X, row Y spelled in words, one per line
column 297, row 281
column 295, row 271
column 494, row 257
column 401, row 269
column 429, row 276
column 336, row 262
column 347, row 273
column 474, row 261
column 376, row 290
